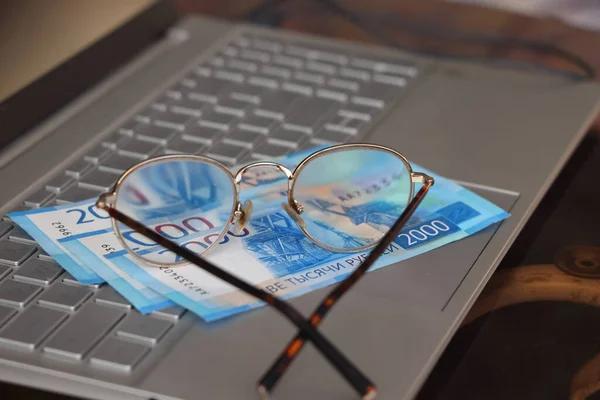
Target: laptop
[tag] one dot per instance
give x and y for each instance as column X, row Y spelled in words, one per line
column 72, row 126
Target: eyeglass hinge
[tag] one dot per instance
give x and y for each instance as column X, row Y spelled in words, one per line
column 419, row 177
column 105, row 200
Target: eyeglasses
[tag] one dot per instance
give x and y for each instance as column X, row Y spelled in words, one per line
column 344, row 198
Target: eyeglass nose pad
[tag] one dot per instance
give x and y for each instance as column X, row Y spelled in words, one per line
column 242, row 216
column 295, row 213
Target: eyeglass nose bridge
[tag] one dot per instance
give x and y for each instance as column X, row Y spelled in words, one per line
column 243, row 211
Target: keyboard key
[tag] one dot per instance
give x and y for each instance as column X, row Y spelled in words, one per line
column 181, row 146
column 98, row 180
column 32, row 326
column 316, row 79
column 15, row 293
column 163, row 102
column 117, row 163
column 96, row 154
column 118, row 355
column 277, row 105
column 156, row 134
column 39, row 198
column 18, row 234
column 241, row 65
column 78, row 168
column 86, row 328
column 188, row 107
column 128, row 127
column 6, row 314
column 4, row 270
column 343, row 84
column 143, row 328
column 248, row 94
column 308, row 114
column 263, row 82
column 298, row 87
column 115, row 140
column 67, row 297
column 389, row 80
column 345, row 125
column 373, row 95
column 109, row 296
column 335, row 95
column 59, row 183
column 205, row 71
column 287, row 61
column 36, row 270
column 265, row 45
column 208, row 93
column 217, row 120
column 276, row 72
column 242, row 138
column 384, row 66
column 355, row 111
column 75, row 194
column 232, row 106
column 138, row 149
column 256, row 123
column 44, row 256
column 228, row 75
column 354, row 74
column 321, row 67
column 255, row 55
column 13, row 253
column 172, row 312
column 227, row 153
column 287, row 138
column 146, row 116
column 203, row 135
column 68, row 278
column 176, row 121
column 269, row 150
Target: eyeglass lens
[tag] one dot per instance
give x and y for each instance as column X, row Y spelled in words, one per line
column 352, row 197
column 187, row 201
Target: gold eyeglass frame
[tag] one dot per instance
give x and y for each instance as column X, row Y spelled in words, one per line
column 240, row 213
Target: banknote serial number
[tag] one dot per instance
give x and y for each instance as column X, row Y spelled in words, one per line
column 182, row 280
column 61, row 228
column 109, row 248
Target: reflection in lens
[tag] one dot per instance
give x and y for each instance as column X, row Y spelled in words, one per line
column 352, row 197
column 188, row 202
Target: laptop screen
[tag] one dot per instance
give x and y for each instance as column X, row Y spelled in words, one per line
column 53, row 51
column 38, row 35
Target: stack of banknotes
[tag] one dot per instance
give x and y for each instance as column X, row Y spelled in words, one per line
column 81, row 239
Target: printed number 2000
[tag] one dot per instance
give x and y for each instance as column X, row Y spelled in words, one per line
column 424, row 232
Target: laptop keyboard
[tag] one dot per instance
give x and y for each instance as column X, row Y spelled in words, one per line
column 257, row 98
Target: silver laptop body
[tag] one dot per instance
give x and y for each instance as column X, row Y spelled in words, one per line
column 503, row 134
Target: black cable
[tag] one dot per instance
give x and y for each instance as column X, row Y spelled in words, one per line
column 588, row 71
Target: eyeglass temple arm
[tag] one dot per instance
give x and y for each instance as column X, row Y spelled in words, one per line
column 278, row 368
column 359, row 381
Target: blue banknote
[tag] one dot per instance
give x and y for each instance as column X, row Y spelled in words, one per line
column 50, row 226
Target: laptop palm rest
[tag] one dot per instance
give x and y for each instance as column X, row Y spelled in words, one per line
column 430, row 279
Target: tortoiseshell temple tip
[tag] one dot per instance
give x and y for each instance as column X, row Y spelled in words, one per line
column 371, row 394
column 263, row 392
